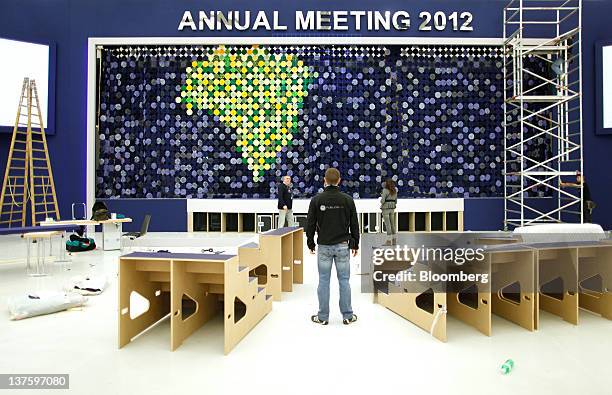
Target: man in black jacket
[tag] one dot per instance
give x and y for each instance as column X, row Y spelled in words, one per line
column 285, row 203
column 332, row 214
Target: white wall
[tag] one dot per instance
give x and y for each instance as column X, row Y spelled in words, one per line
column 22, row 59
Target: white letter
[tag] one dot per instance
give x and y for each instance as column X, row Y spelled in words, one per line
column 277, row 26
column 389, row 255
column 384, row 20
column 324, row 20
column 262, row 20
column 376, row 276
column 187, row 20
column 247, row 20
column 423, row 276
column 377, row 257
column 480, row 254
column 224, row 20
column 209, row 20
column 304, row 23
column 340, row 18
column 358, row 15
column 416, row 252
column 401, row 20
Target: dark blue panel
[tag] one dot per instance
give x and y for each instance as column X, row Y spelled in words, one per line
column 167, row 215
column 483, row 214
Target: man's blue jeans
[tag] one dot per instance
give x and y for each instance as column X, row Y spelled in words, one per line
column 339, row 254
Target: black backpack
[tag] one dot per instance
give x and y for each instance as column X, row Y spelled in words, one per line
column 99, row 212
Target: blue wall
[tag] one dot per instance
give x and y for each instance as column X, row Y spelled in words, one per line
column 69, row 23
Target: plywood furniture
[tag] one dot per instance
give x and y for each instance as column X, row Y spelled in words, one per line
column 595, row 278
column 509, row 293
column 423, row 304
column 560, row 278
column 190, row 288
column 276, row 259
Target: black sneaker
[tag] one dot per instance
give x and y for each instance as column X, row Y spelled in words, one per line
column 316, row 320
column 347, row 321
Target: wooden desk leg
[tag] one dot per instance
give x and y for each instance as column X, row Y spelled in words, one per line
column 605, row 269
column 520, row 269
column 287, row 262
column 298, row 257
column 562, row 297
column 130, row 281
column 431, row 318
column 271, row 255
column 593, row 263
column 184, row 286
column 472, row 304
column 245, row 304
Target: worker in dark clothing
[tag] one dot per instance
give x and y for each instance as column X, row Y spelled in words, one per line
column 285, row 203
column 587, row 202
column 332, row 214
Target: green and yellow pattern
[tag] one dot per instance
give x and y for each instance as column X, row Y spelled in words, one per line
column 254, row 91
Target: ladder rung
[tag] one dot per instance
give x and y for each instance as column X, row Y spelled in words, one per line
column 44, row 212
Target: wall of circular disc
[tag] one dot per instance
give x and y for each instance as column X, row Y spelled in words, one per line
column 229, row 121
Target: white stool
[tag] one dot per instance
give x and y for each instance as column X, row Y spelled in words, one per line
column 40, row 239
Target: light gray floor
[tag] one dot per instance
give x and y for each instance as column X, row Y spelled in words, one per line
column 286, row 353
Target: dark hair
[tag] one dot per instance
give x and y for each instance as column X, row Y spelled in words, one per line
column 332, row 176
column 390, row 185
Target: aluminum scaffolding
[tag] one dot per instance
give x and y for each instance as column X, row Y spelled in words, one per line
column 542, row 112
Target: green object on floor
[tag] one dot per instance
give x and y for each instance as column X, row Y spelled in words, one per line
column 507, row 366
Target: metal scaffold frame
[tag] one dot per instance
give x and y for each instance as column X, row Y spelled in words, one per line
column 542, row 105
